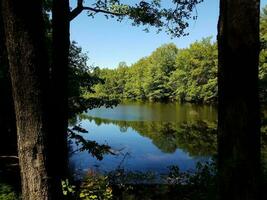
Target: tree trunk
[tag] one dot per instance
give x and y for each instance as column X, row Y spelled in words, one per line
column 24, row 31
column 238, row 108
column 59, row 81
column 7, row 113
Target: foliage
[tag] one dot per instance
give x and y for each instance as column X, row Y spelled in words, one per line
column 82, row 78
column 168, row 73
column 196, row 77
column 200, row 184
column 197, row 185
column 7, row 192
column 92, row 147
column 173, row 16
column 263, row 56
column 122, row 184
column 67, row 188
column 93, row 187
column 97, row 187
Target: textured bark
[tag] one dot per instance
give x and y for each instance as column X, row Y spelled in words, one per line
column 59, row 81
column 238, row 109
column 24, row 33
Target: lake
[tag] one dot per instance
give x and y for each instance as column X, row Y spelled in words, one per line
column 148, row 136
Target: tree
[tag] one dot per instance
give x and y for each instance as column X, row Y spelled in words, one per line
column 160, row 67
column 173, row 19
column 7, row 117
column 263, row 56
column 25, row 42
column 238, row 106
column 58, row 91
column 169, row 73
column 195, row 77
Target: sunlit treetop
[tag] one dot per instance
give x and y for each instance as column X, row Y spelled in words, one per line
column 171, row 16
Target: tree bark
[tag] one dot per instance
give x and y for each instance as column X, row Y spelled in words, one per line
column 24, row 32
column 238, row 107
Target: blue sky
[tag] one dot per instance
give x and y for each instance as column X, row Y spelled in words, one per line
column 109, row 42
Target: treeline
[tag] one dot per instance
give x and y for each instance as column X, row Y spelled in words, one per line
column 170, row 73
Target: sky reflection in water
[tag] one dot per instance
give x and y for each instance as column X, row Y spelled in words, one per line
column 149, row 136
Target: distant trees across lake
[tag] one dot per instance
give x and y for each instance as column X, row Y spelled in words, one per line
column 170, row 73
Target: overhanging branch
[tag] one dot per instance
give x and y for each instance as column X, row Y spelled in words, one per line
column 103, row 11
column 76, row 11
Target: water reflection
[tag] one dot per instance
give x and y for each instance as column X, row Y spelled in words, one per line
column 149, row 136
column 196, row 138
column 155, row 111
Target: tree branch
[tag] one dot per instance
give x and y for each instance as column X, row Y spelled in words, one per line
column 76, row 11
column 15, row 157
column 102, row 11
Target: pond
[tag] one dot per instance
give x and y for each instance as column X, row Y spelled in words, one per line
column 148, row 136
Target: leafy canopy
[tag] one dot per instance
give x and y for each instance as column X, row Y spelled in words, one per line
column 169, row 73
column 172, row 16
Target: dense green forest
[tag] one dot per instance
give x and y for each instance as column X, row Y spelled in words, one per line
column 168, row 73
column 171, row 73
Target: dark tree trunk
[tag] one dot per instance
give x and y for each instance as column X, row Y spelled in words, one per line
column 59, row 81
column 238, row 109
column 24, row 31
column 7, row 114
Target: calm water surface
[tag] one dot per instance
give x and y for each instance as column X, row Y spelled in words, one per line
column 148, row 136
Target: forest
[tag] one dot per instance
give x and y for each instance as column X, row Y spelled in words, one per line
column 173, row 74
column 48, row 91
column 168, row 73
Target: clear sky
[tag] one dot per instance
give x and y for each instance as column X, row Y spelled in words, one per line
column 109, row 42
